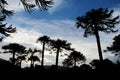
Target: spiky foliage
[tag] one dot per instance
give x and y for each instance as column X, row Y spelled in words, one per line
column 14, row 48
column 5, row 30
column 58, row 46
column 76, row 56
column 115, row 47
column 67, row 62
column 95, row 21
column 33, row 58
column 3, row 10
column 42, row 4
column 44, row 40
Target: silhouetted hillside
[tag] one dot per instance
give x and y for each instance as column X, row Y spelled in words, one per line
column 3, row 62
column 103, row 69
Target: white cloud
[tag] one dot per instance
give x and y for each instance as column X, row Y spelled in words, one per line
column 56, row 6
column 24, row 37
column 15, row 5
column 117, row 12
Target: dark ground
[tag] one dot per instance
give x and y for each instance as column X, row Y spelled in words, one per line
column 11, row 72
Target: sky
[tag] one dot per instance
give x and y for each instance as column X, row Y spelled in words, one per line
column 59, row 23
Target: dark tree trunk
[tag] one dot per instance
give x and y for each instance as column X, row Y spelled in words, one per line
column 31, row 65
column 75, row 62
column 20, row 64
column 42, row 62
column 13, row 61
column 57, row 56
column 98, row 44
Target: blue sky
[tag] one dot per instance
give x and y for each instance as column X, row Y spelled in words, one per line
column 69, row 9
column 59, row 22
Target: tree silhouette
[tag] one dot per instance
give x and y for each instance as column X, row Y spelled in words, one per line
column 67, row 62
column 58, row 46
column 95, row 21
column 86, row 68
column 44, row 40
column 33, row 58
column 106, row 65
column 29, row 5
column 115, row 47
column 14, row 48
column 76, row 56
column 19, row 60
column 42, row 4
column 5, row 30
column 3, row 14
column 3, row 10
column 95, row 63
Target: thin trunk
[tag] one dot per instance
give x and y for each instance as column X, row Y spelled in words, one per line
column 75, row 62
column 57, row 56
column 20, row 64
column 99, row 46
column 31, row 65
column 13, row 61
column 42, row 63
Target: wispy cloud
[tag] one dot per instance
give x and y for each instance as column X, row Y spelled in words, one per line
column 57, row 5
column 24, row 37
column 28, row 30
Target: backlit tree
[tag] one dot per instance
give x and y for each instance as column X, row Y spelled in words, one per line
column 95, row 21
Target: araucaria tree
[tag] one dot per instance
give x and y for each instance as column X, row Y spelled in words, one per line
column 58, row 46
column 29, row 5
column 76, row 56
column 95, row 21
column 115, row 47
column 42, row 4
column 14, row 48
column 3, row 10
column 33, row 58
column 20, row 58
column 4, row 30
column 44, row 40
column 67, row 62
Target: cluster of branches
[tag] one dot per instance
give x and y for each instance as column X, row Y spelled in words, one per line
column 57, row 46
column 98, row 20
column 29, row 5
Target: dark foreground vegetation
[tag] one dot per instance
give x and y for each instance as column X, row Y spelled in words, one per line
column 95, row 69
